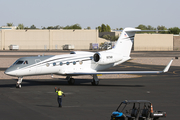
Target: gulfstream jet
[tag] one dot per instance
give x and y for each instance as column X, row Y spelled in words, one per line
column 79, row 62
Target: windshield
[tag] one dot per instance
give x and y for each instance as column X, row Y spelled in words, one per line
column 19, row 62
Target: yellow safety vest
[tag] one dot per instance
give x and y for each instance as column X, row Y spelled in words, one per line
column 59, row 93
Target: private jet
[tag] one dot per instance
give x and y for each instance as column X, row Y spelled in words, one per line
column 80, row 62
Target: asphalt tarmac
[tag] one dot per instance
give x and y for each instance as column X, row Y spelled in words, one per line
column 38, row 100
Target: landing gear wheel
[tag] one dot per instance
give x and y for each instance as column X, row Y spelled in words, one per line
column 95, row 83
column 71, row 81
column 18, row 85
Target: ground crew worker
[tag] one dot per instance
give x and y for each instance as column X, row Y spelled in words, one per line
column 60, row 93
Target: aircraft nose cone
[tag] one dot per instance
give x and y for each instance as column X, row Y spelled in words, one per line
column 9, row 72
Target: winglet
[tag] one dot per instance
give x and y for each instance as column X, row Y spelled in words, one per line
column 168, row 66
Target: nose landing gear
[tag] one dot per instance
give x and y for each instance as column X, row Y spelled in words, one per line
column 18, row 84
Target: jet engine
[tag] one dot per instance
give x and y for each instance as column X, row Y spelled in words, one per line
column 106, row 58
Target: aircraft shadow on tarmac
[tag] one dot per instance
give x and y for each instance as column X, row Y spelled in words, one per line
column 50, row 82
column 127, row 66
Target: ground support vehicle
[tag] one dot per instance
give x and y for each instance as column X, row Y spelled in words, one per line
column 136, row 110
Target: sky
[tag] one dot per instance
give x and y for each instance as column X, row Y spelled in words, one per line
column 92, row 13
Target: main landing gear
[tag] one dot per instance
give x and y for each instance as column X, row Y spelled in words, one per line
column 71, row 80
column 18, row 84
column 95, row 80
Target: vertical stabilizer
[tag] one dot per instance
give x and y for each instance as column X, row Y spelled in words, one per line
column 125, row 42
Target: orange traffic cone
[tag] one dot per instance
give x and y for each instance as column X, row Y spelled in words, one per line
column 151, row 108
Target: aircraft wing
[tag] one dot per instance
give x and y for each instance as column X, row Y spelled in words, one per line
column 123, row 72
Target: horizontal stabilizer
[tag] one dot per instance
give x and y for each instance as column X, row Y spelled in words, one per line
column 168, row 66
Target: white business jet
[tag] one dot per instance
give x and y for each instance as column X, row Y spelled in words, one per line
column 79, row 62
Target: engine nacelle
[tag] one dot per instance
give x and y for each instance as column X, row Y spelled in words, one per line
column 106, row 58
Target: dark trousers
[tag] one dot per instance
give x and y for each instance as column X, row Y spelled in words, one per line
column 60, row 101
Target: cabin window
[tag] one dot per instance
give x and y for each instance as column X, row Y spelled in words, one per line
column 60, row 63
column 47, row 64
column 74, row 62
column 80, row 62
column 67, row 63
column 54, row 64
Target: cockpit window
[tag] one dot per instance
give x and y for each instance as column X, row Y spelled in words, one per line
column 26, row 62
column 19, row 62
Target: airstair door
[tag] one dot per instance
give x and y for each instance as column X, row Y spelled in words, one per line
column 38, row 66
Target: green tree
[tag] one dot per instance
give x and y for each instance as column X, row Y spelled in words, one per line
column 50, row 27
column 20, row 26
column 103, row 28
column 88, row 28
column 174, row 30
column 107, row 37
column 142, row 27
column 162, row 28
column 99, row 28
column 43, row 27
column 150, row 28
column 75, row 26
column 33, row 27
column 114, row 38
column 9, row 24
column 108, row 28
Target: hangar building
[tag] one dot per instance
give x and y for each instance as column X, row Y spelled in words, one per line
column 48, row 39
column 81, row 39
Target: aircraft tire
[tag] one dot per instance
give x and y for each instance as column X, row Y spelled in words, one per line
column 18, row 85
column 95, row 83
column 71, row 81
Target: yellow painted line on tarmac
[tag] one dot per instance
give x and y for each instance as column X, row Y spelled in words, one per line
column 174, row 72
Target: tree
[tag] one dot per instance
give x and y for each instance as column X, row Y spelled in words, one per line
column 33, row 27
column 174, row 30
column 162, row 28
column 142, row 27
column 108, row 28
column 88, row 28
column 150, row 28
column 9, row 24
column 107, row 37
column 99, row 28
column 114, row 38
column 50, row 27
column 103, row 28
column 75, row 26
column 20, row 26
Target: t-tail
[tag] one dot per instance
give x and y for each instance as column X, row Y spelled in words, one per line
column 121, row 52
column 125, row 42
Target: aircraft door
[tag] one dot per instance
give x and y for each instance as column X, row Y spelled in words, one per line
column 38, row 66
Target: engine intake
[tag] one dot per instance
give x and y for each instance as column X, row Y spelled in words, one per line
column 106, row 57
column 96, row 57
